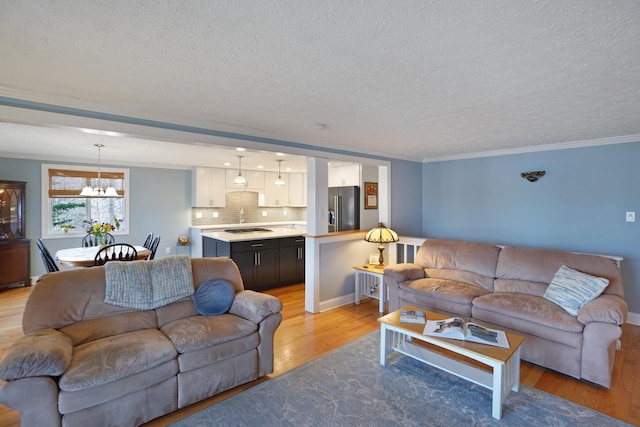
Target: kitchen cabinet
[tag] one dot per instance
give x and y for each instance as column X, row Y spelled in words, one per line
column 255, row 180
column 275, row 196
column 15, row 258
column 263, row 263
column 298, row 189
column 291, row 260
column 207, row 187
column 257, row 261
column 344, row 176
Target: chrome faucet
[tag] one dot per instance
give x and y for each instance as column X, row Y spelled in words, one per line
column 241, row 215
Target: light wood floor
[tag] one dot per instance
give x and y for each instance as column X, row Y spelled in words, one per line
column 303, row 336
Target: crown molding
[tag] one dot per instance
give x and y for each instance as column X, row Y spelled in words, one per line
column 539, row 148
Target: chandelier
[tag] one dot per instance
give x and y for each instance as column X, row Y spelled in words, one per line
column 98, row 191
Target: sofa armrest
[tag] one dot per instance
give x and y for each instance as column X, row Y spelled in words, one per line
column 255, row 306
column 46, row 352
column 607, row 308
column 405, row 271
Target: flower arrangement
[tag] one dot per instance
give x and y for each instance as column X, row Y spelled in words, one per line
column 98, row 229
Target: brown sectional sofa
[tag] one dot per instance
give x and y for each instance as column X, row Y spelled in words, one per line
column 503, row 287
column 84, row 362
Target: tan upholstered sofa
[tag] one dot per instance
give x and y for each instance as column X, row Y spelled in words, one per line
column 504, row 288
column 83, row 362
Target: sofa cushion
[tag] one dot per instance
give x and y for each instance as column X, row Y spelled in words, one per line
column 571, row 289
column 206, row 356
column 109, row 359
column 529, row 314
column 448, row 290
column 469, row 262
column 441, row 295
column 536, row 267
column 46, row 352
column 73, row 401
column 196, row 332
column 88, row 330
column 214, row 297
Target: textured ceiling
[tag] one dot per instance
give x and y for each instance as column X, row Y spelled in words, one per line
column 402, row 79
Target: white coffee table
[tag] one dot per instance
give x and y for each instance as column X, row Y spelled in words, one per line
column 502, row 376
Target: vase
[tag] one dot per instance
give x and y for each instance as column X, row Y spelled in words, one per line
column 101, row 240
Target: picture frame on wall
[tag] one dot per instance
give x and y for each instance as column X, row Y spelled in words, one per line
column 371, row 195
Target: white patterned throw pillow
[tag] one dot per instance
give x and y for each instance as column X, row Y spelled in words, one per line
column 571, row 289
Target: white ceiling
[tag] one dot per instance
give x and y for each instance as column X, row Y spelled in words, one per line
column 404, row 79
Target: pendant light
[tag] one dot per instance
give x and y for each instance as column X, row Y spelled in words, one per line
column 240, row 179
column 279, row 182
column 87, row 191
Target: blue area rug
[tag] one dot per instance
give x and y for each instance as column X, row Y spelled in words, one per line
column 349, row 387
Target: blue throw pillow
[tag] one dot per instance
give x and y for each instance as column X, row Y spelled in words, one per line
column 214, row 297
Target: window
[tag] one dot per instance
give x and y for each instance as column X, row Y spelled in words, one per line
column 65, row 212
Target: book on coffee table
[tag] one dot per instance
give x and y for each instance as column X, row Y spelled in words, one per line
column 412, row 316
column 456, row 328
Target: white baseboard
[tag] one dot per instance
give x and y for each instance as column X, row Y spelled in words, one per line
column 337, row 302
column 633, row 319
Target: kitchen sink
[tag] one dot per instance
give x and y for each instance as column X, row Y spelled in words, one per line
column 246, row 230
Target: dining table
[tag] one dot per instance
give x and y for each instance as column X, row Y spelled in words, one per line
column 85, row 256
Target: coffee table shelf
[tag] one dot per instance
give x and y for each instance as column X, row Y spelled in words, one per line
column 502, row 372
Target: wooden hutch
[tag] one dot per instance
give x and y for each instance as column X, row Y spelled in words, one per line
column 15, row 256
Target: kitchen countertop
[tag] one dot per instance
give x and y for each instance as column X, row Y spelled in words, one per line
column 276, row 232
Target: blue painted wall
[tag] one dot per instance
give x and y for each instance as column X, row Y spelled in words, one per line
column 579, row 205
column 160, row 202
column 406, row 187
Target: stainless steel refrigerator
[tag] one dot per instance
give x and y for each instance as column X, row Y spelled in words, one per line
column 344, row 208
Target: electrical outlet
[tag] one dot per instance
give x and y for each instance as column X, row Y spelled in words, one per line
column 198, row 215
column 264, row 213
column 631, row 217
column 168, row 249
column 215, row 214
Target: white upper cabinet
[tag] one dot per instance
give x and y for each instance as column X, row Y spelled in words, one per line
column 255, row 180
column 275, row 196
column 344, row 176
column 298, row 189
column 207, row 187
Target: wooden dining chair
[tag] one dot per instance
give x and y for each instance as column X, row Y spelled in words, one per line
column 115, row 252
column 153, row 248
column 148, row 241
column 49, row 262
column 91, row 240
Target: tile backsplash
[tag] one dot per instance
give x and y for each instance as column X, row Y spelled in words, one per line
column 248, row 201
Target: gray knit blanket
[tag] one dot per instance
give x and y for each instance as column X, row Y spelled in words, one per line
column 146, row 285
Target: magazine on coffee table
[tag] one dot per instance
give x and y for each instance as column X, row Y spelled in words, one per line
column 456, row 328
column 412, row 316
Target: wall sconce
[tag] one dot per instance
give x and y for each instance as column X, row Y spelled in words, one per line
column 532, row 176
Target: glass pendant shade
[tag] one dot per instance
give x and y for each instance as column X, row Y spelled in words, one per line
column 279, row 182
column 239, row 179
column 111, row 192
column 87, row 192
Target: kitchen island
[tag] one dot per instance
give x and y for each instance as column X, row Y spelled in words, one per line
column 268, row 256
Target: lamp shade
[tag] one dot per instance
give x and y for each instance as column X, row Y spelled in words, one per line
column 279, row 182
column 240, row 180
column 381, row 234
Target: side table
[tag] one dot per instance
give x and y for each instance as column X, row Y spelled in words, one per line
column 370, row 283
